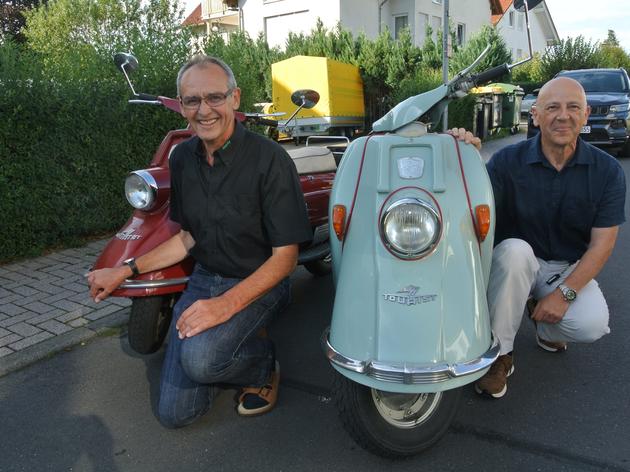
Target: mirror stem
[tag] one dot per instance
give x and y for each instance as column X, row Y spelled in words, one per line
column 529, row 40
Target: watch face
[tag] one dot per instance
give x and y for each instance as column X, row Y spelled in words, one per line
column 569, row 294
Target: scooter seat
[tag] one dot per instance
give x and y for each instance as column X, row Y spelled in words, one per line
column 313, row 159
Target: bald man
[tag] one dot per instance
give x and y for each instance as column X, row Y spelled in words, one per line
column 559, row 203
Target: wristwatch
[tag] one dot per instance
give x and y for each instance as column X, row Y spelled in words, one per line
column 131, row 262
column 568, row 293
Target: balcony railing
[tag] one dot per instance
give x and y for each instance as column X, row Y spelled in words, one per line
column 214, row 8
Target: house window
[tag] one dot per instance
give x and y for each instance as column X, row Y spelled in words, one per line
column 400, row 23
column 422, row 24
column 511, row 19
column 461, row 34
column 520, row 21
column 519, row 54
column 436, row 25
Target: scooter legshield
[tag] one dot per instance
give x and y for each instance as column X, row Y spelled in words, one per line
column 418, row 325
column 141, row 233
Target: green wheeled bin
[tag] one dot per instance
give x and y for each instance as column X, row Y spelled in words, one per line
column 510, row 102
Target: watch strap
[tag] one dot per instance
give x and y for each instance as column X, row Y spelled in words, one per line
column 132, row 265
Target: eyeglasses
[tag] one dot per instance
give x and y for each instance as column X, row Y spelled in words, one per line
column 212, row 100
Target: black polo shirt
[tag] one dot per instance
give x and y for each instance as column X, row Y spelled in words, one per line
column 249, row 201
column 555, row 211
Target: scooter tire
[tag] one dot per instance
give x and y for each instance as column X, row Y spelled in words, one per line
column 148, row 322
column 366, row 425
column 320, row 267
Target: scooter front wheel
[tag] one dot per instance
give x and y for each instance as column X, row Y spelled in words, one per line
column 148, row 322
column 394, row 424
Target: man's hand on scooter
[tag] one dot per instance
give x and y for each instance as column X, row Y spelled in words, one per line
column 202, row 315
column 466, row 136
column 102, row 282
column 550, row 309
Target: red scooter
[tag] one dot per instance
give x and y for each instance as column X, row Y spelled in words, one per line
column 154, row 294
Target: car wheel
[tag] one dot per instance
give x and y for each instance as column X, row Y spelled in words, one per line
column 149, row 321
column 390, row 424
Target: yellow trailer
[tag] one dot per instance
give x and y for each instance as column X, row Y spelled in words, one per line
column 340, row 109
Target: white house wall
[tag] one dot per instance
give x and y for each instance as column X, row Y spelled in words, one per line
column 516, row 36
column 422, row 13
column 360, row 16
column 277, row 18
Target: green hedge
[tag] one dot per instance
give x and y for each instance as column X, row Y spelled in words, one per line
column 65, row 150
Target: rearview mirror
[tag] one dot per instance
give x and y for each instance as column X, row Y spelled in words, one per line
column 126, row 62
column 305, row 98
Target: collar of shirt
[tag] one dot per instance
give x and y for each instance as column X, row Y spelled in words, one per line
column 229, row 151
column 535, row 155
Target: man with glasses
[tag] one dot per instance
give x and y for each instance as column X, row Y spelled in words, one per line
column 237, row 197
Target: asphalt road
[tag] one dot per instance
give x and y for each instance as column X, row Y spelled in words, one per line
column 91, row 408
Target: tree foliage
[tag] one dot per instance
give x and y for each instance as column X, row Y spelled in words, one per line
column 77, row 38
column 498, row 54
column 569, row 53
column 12, row 18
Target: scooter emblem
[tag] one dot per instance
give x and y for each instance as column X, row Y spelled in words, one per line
column 410, row 167
column 127, row 235
column 407, row 296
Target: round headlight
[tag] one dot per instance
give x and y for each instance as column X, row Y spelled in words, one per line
column 410, row 228
column 140, row 190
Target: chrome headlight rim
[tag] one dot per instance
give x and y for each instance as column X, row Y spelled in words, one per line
column 151, row 190
column 428, row 248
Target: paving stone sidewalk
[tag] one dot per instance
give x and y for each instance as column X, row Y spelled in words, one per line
column 45, row 305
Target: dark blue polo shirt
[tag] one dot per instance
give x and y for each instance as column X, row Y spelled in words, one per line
column 555, row 211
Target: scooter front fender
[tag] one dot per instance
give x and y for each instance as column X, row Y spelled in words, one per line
column 397, row 318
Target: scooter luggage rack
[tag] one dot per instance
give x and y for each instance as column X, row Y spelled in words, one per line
column 411, row 374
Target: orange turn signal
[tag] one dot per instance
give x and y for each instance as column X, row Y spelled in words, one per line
column 339, row 220
column 482, row 213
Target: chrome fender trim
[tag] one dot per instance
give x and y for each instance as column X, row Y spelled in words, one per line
column 153, row 283
column 407, row 373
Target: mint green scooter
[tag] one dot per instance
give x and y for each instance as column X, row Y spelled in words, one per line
column 411, row 237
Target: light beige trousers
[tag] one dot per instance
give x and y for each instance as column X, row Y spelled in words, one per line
column 516, row 274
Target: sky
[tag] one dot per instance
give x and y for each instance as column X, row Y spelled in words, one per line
column 592, row 19
column 589, row 18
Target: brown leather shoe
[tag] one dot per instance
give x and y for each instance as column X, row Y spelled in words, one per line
column 551, row 346
column 494, row 383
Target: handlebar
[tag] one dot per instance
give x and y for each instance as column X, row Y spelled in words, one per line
column 146, row 96
column 490, row 74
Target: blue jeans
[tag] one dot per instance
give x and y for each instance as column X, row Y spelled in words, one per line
column 229, row 353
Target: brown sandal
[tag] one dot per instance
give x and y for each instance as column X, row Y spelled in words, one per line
column 255, row 401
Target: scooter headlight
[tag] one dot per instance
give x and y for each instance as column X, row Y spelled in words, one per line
column 141, row 190
column 410, row 228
